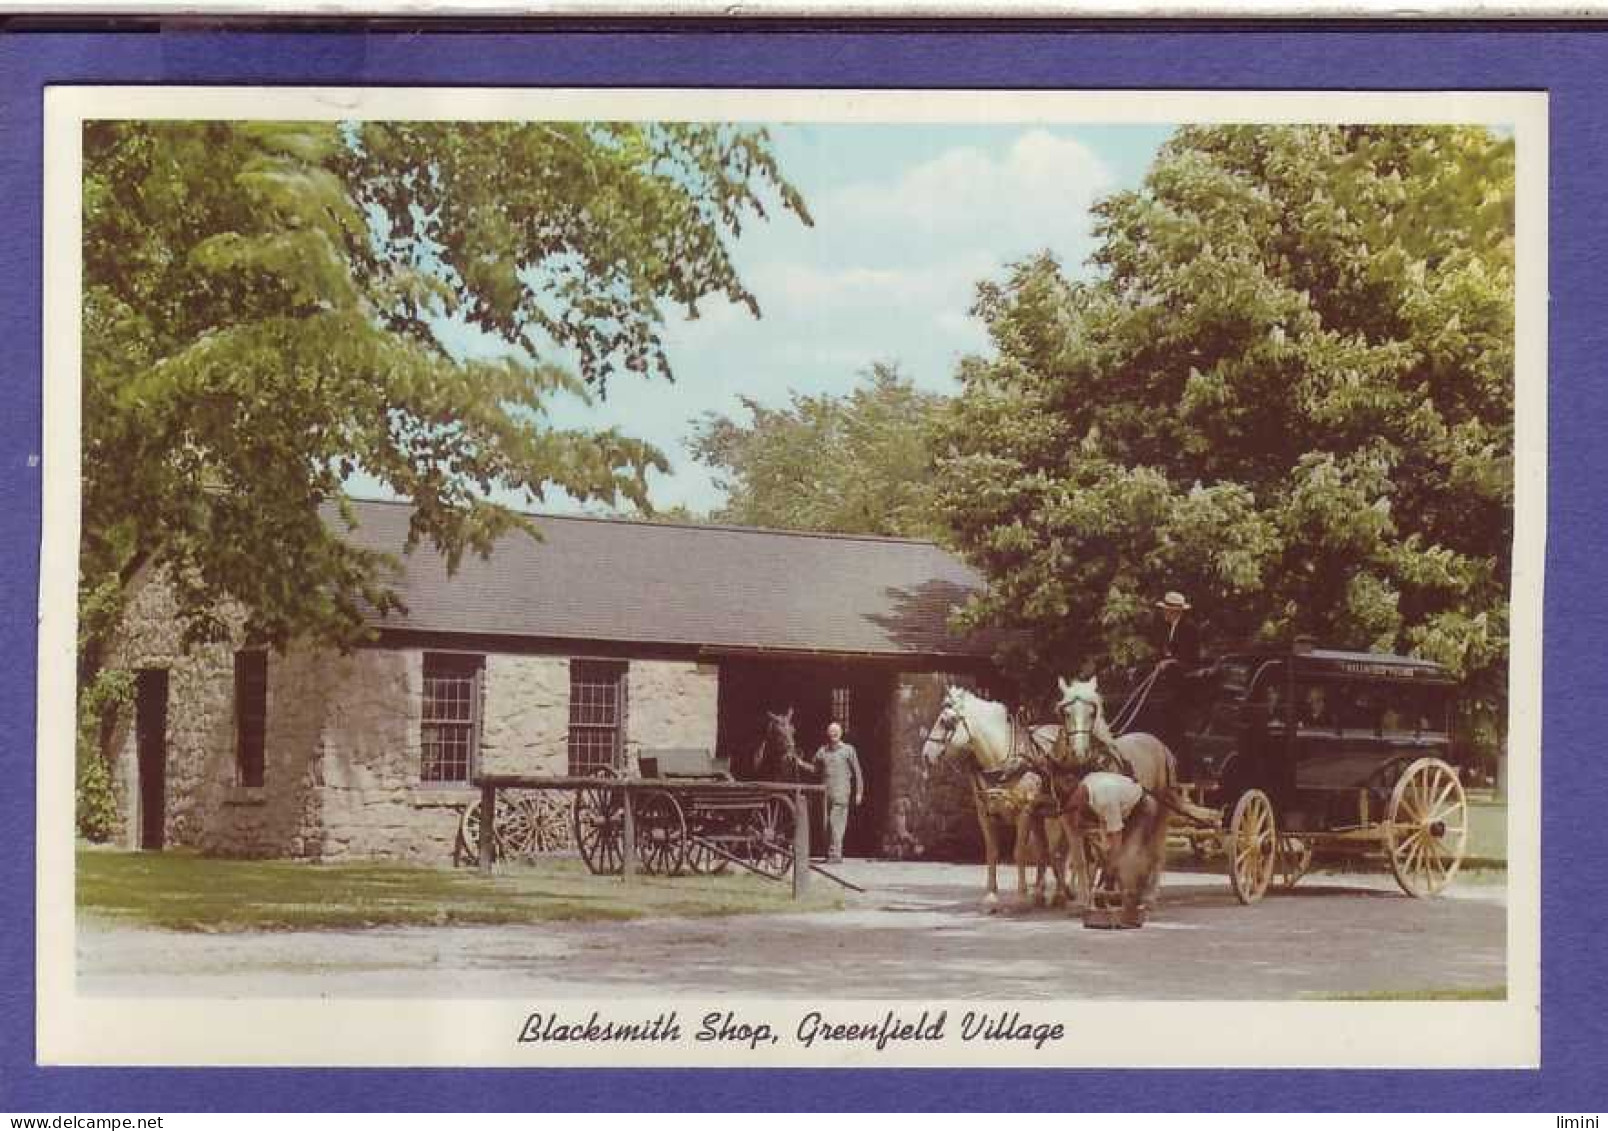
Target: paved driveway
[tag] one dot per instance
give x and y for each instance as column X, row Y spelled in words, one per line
column 917, row 933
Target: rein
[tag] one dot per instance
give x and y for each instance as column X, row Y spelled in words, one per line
column 1135, row 704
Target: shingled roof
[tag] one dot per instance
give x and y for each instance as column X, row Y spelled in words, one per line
column 717, row 587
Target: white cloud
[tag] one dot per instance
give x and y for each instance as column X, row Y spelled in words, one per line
column 1034, row 195
column 888, row 273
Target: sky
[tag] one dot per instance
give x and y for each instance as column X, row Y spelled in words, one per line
column 908, row 220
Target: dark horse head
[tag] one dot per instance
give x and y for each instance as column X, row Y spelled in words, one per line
column 778, row 749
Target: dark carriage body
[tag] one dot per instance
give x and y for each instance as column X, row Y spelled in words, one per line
column 1312, row 728
column 1306, row 750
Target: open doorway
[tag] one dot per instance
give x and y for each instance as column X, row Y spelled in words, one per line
column 150, row 740
column 856, row 695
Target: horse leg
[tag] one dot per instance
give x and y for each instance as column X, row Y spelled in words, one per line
column 991, row 854
column 1072, row 829
column 1056, row 848
column 1041, row 845
column 1024, row 822
column 1158, row 858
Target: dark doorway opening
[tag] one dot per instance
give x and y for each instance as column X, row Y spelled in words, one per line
column 857, row 695
column 150, row 739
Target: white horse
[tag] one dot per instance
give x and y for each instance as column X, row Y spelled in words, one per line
column 983, row 729
column 1143, row 757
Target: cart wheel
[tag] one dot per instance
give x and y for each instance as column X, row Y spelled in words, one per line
column 704, row 861
column 517, row 825
column 661, row 834
column 1252, row 845
column 509, row 830
column 1295, row 860
column 598, row 824
column 1426, row 827
column 770, row 838
column 549, row 822
column 468, row 847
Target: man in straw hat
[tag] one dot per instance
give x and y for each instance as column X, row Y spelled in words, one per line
column 1181, row 643
column 1179, row 648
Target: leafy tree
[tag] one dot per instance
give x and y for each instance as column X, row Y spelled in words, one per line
column 261, row 314
column 1287, row 390
column 858, row 464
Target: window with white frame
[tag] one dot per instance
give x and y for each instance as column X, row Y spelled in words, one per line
column 597, row 715
column 449, row 724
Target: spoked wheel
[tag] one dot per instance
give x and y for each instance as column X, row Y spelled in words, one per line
column 469, row 835
column 598, row 824
column 703, row 860
column 770, row 838
column 1253, row 845
column 508, row 830
column 1295, row 860
column 1426, row 827
column 661, row 833
column 518, row 826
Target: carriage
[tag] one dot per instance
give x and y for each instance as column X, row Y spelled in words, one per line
column 1303, row 751
column 704, row 823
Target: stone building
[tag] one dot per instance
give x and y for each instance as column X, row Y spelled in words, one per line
column 604, row 639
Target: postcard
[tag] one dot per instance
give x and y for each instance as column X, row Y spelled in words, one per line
column 756, row 578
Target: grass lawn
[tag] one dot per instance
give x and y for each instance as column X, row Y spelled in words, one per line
column 1483, row 993
column 183, row 891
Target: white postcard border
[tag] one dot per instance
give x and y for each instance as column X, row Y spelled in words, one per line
column 79, row 1029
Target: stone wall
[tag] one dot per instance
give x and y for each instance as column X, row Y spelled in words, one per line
column 205, row 807
column 525, row 715
column 671, row 704
column 342, row 751
column 374, row 804
column 940, row 811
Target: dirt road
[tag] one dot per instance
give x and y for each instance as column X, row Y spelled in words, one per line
column 917, row 933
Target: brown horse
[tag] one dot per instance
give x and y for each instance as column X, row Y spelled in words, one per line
column 1003, row 788
column 778, row 750
column 1089, row 746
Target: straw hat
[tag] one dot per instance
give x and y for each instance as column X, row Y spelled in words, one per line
column 1174, row 600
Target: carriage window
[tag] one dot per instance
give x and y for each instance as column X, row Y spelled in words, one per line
column 251, row 715
column 449, row 732
column 1361, row 708
column 597, row 713
column 1267, row 694
column 1315, row 706
column 1403, row 712
column 1415, row 710
column 1437, row 709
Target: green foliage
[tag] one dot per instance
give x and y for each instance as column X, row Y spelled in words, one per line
column 96, row 804
column 859, row 464
column 99, row 702
column 259, row 314
column 1287, row 390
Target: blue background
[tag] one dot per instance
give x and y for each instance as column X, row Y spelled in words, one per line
column 1571, row 64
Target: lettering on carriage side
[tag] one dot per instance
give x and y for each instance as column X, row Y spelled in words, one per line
column 553, row 1029
column 724, row 1027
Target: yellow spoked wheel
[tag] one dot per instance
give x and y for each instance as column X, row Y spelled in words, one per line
column 1426, row 827
column 1253, row 846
